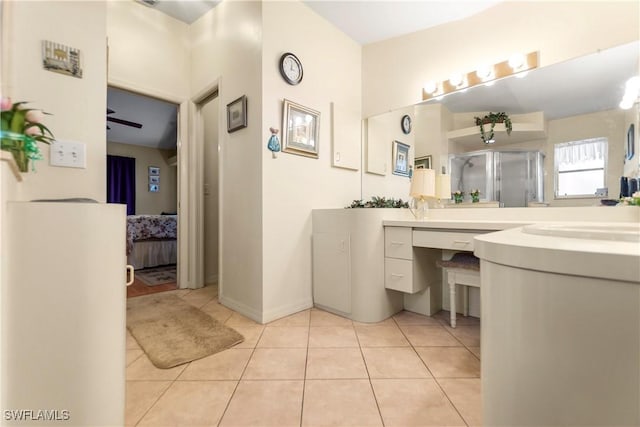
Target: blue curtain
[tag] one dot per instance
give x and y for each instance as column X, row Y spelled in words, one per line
column 121, row 181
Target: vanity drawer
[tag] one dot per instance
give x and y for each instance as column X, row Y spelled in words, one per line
column 455, row 240
column 397, row 242
column 398, row 275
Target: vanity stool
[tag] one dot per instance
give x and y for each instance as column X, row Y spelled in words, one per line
column 462, row 269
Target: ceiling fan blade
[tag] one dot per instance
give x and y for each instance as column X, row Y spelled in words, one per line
column 124, row 122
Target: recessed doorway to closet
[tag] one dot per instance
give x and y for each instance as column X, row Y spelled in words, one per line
column 209, row 113
column 142, row 172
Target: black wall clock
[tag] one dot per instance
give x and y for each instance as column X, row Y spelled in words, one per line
column 406, row 124
column 291, row 68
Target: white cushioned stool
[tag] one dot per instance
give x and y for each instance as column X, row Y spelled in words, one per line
column 462, row 269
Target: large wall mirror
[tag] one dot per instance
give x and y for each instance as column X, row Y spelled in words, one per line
column 575, row 100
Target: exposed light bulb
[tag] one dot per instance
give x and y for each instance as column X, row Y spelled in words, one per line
column 485, row 72
column 491, row 83
column 430, row 87
column 633, row 84
column 517, row 61
column 456, row 80
column 627, row 102
column 522, row 75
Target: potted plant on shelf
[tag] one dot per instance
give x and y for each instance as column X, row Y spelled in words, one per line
column 492, row 118
column 458, row 196
column 475, row 196
column 21, row 131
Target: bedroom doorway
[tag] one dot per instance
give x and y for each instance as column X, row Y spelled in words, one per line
column 142, row 172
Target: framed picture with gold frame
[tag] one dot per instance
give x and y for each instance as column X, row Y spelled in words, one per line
column 301, row 130
column 423, row 162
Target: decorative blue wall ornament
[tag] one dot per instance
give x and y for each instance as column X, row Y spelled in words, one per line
column 410, row 172
column 274, row 142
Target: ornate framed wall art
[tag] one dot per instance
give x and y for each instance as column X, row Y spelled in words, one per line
column 301, row 130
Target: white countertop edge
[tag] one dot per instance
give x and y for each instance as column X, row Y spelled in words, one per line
column 462, row 224
column 605, row 259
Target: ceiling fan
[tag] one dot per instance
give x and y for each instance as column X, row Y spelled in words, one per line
column 121, row 121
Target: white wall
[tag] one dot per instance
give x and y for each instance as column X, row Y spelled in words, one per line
column 292, row 185
column 210, row 114
column 77, row 105
column 148, row 202
column 226, row 50
column 148, row 51
column 395, row 70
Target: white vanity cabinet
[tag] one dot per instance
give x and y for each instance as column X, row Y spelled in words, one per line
column 412, row 270
column 401, row 273
column 348, row 263
column 332, row 255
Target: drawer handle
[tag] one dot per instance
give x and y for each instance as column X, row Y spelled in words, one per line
column 397, row 275
column 397, row 243
column 461, row 242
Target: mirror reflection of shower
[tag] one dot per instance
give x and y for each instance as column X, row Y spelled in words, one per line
column 467, row 163
column 513, row 178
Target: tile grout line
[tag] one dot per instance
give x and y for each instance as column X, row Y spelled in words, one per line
column 373, row 391
column 306, row 362
column 159, row 396
column 163, row 393
column 430, row 372
column 440, row 385
column 244, row 370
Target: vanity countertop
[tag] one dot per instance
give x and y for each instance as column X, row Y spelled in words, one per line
column 504, row 218
column 457, row 224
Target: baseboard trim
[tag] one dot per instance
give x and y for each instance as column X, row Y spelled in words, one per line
column 241, row 308
column 284, row 311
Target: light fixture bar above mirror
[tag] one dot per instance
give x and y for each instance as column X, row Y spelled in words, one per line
column 514, row 66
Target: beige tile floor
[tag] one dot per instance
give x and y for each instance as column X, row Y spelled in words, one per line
column 314, row 368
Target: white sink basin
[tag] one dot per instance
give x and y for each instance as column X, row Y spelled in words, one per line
column 616, row 232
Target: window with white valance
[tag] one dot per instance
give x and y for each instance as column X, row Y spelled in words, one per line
column 580, row 167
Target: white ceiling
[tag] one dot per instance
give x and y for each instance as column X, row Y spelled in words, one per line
column 158, row 120
column 383, row 19
column 368, row 21
column 186, row 11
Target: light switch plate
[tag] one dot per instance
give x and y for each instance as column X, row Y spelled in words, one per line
column 68, row 154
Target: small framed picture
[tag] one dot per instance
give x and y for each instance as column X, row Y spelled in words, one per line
column 631, row 145
column 154, row 188
column 301, row 130
column 62, row 59
column 237, row 114
column 154, row 179
column 400, row 158
column 154, row 171
column 422, row 162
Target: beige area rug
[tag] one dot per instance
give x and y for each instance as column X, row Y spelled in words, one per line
column 172, row 332
column 157, row 275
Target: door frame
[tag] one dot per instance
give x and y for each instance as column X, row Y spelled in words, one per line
column 190, row 257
